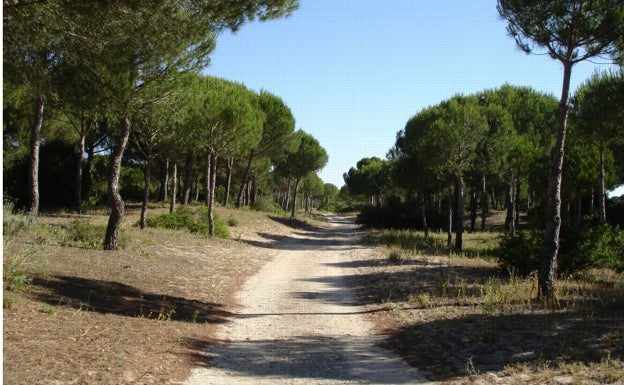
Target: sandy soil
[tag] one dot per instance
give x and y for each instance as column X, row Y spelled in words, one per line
column 299, row 323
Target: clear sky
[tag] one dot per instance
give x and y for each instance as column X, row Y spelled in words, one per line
column 353, row 72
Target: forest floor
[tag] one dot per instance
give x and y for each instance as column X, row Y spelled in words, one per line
column 153, row 312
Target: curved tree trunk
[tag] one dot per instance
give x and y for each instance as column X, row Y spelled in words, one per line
column 35, row 144
column 111, row 240
column 548, row 264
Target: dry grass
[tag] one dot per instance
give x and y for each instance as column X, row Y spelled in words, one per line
column 82, row 316
column 463, row 320
column 131, row 316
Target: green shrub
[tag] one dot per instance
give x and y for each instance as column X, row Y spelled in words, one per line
column 195, row 221
column 600, row 246
column 11, row 222
column 233, row 221
column 521, row 252
column 266, row 204
column 181, row 218
column 595, row 247
column 395, row 257
column 80, row 233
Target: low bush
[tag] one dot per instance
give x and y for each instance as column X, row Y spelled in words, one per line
column 195, row 221
column 600, row 246
column 594, row 247
column 267, row 204
column 522, row 252
column 80, row 233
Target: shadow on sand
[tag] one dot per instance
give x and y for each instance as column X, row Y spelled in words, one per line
column 120, row 299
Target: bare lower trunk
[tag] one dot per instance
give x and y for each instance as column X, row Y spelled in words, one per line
column 207, row 180
column 211, row 199
column 294, row 205
column 423, row 213
column 602, row 212
column 287, row 200
column 174, row 188
column 484, row 203
column 146, row 190
column 510, row 218
column 228, row 180
column 245, row 182
column 459, row 221
column 79, row 163
column 188, row 177
column 111, row 240
column 35, row 144
column 473, row 209
column 553, row 209
column 449, row 229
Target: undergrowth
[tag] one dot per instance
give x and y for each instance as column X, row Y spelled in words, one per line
column 193, row 220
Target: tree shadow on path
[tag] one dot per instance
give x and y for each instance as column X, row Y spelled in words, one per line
column 346, row 358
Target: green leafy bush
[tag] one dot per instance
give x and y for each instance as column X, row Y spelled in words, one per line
column 266, row 204
column 80, row 233
column 11, row 222
column 521, row 252
column 195, row 221
column 594, row 247
column 601, row 246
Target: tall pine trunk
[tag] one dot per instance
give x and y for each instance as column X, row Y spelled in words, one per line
column 459, row 210
column 211, row 199
column 35, row 144
column 510, row 218
column 174, row 188
column 164, row 181
column 146, row 189
column 423, row 214
column 228, row 180
column 294, row 201
column 449, row 229
column 602, row 211
column 207, row 179
column 548, row 264
column 484, row 203
column 245, row 182
column 79, row 163
column 188, row 177
column 111, row 239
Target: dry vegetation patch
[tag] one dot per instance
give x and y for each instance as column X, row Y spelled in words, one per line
column 463, row 320
column 87, row 316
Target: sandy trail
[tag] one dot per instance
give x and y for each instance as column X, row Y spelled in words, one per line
column 300, row 324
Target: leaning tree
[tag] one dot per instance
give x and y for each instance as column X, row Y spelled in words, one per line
column 570, row 31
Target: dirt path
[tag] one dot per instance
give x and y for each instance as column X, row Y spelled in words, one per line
column 300, row 324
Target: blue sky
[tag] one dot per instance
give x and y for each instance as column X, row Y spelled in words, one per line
column 353, row 72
